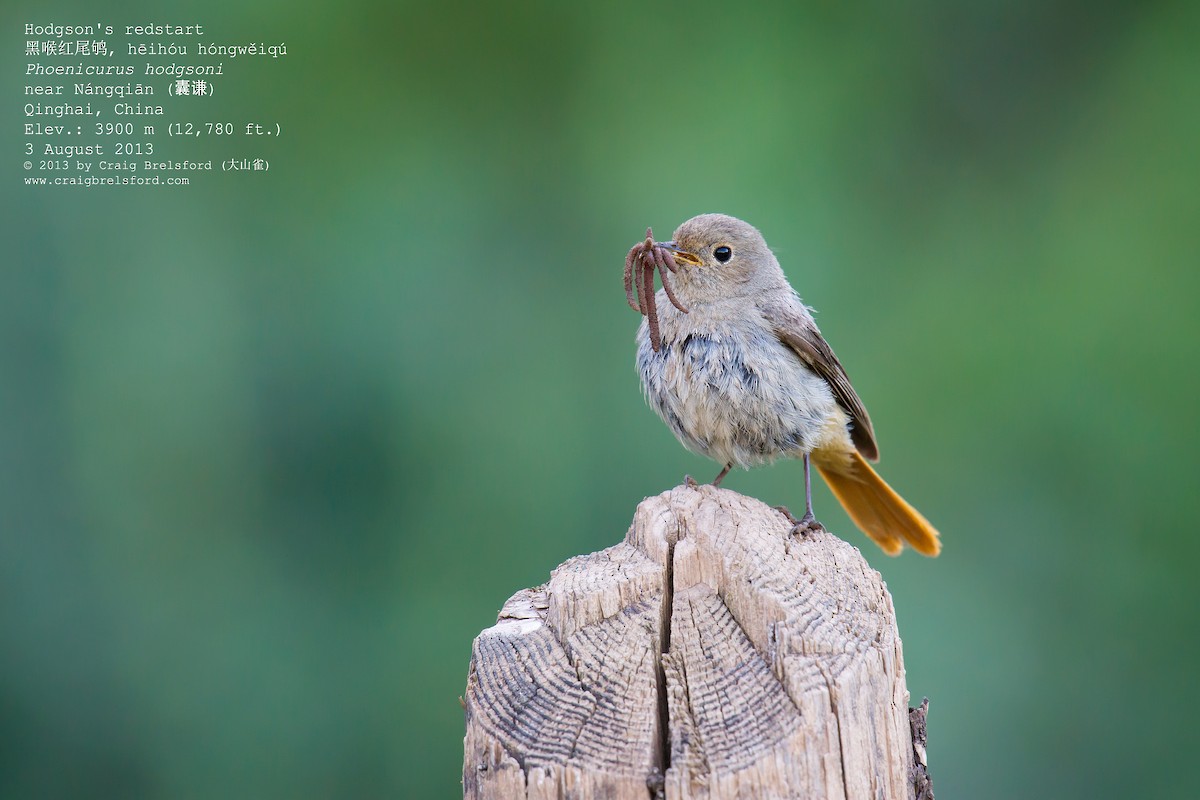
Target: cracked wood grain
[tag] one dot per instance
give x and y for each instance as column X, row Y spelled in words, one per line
column 709, row 655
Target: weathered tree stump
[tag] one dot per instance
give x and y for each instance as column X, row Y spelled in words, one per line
column 709, row 655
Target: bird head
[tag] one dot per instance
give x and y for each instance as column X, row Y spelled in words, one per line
column 718, row 257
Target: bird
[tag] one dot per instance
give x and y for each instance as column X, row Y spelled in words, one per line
column 733, row 362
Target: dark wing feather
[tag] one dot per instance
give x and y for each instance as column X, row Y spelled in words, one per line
column 801, row 334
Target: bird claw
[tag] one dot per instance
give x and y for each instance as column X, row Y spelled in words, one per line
column 806, row 524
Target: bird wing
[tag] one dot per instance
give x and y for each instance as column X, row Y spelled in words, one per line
column 795, row 328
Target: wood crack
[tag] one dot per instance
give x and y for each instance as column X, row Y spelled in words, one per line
column 664, row 647
column 709, row 655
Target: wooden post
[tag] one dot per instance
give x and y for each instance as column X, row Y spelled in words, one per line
column 709, row 655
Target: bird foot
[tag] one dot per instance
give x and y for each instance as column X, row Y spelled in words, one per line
column 690, row 482
column 806, row 524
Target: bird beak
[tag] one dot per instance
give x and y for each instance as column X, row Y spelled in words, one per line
column 680, row 256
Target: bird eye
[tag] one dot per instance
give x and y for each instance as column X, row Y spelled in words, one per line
column 722, row 254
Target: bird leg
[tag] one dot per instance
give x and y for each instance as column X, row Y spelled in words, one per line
column 808, row 522
column 717, row 480
column 690, row 482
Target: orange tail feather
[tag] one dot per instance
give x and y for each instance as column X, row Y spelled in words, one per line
column 874, row 506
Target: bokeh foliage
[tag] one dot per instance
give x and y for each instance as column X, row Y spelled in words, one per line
column 273, row 450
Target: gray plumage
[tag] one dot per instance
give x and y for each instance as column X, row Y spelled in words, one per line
column 745, row 377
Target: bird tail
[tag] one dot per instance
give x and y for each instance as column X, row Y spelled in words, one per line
column 874, row 506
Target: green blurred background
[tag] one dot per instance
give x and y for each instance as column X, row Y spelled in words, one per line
column 273, row 449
